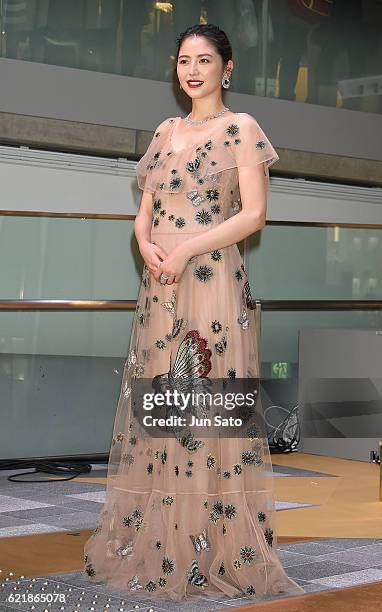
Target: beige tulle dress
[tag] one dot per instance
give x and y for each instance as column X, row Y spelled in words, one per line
column 188, row 516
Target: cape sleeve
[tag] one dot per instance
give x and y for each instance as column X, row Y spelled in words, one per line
column 149, row 166
column 241, row 143
column 251, row 146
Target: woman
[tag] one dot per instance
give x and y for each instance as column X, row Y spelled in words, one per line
column 187, row 515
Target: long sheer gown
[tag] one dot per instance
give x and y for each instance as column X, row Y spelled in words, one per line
column 185, row 517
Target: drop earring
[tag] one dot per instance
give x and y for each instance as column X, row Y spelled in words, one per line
column 226, row 82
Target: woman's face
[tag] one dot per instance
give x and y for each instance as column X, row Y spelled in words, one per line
column 199, row 61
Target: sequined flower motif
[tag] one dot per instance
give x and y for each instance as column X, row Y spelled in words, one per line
column 251, row 457
column 250, row 590
column 261, row 517
column 149, row 468
column 175, row 183
column 168, row 565
column 203, row 273
column 239, row 275
column 215, row 209
column 127, row 521
column 237, row 564
column 128, row 458
column 180, row 222
column 247, row 554
column 268, row 533
column 260, row 144
column 151, row 586
column 212, row 194
column 154, row 161
column 157, row 205
column 237, row 469
column 203, row 217
column 232, row 130
column 221, row 571
column 162, row 582
column 216, row 255
column 253, row 431
column 216, row 326
column 168, row 500
column 230, row 511
column 218, row 508
column 89, row 569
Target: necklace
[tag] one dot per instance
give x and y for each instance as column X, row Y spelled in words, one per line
column 198, row 122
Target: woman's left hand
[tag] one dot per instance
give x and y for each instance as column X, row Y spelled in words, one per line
column 172, row 266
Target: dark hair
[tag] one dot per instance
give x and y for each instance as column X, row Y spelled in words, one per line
column 217, row 37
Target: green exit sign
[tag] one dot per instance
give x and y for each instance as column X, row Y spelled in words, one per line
column 280, row 369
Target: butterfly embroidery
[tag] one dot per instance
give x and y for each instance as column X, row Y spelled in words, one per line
column 170, row 306
column 248, row 295
column 192, row 360
column 200, row 541
column 195, row 577
column 221, row 345
column 243, row 319
column 195, row 197
column 189, row 443
column 179, row 325
column 134, row 584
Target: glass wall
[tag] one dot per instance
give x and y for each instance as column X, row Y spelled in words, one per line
column 279, row 50
column 62, row 369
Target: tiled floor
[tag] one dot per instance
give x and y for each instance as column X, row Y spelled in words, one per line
column 74, row 505
column 316, row 566
column 27, row 508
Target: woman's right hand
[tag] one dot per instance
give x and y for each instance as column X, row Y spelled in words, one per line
column 152, row 254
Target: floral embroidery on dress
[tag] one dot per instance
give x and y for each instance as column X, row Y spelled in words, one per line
column 203, row 217
column 168, row 565
column 247, row 554
column 185, row 486
column 216, row 255
column 204, row 273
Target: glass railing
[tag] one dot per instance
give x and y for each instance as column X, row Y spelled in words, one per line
column 331, row 57
column 68, row 297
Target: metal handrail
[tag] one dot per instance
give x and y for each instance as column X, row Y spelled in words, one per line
column 38, row 305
